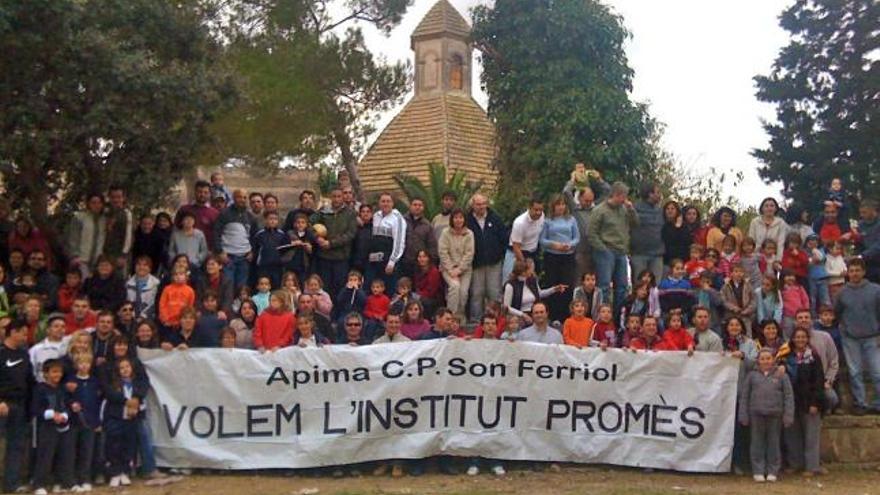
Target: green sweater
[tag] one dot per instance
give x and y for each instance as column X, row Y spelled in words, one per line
column 610, row 226
column 341, row 228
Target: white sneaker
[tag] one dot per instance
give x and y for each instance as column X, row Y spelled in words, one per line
column 499, row 470
column 76, row 489
column 115, row 482
column 58, row 489
column 473, row 471
column 124, row 479
column 771, row 478
column 41, row 491
column 86, row 487
column 759, row 478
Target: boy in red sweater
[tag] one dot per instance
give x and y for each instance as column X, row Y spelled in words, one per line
column 274, row 326
column 676, row 337
column 69, row 290
column 377, row 302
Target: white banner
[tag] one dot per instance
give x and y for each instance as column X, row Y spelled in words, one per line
column 297, row 408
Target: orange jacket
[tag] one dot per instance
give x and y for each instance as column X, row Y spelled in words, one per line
column 174, row 298
column 577, row 331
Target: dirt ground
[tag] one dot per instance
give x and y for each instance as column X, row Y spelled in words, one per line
column 843, row 480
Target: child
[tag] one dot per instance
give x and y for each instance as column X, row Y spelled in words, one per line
column 636, row 304
column 351, row 299
column 794, row 299
column 54, row 454
column 413, row 322
column 511, row 331
column 175, row 297
column 377, row 302
column 219, row 189
column 749, row 261
column 244, row 295
column 633, row 330
column 403, row 295
column 710, row 298
column 676, row 336
column 266, row 245
column 711, row 261
column 767, row 260
column 261, row 298
column 306, row 336
column 835, row 267
column 695, row 265
column 677, row 278
column 766, row 404
column 274, row 327
column 770, row 338
column 588, row 293
column 298, row 252
column 828, row 324
column 675, row 289
column 227, row 338
column 70, row 289
column 817, row 277
column 578, row 328
column 209, row 325
column 85, row 404
column 729, row 256
column 142, row 287
column 739, row 298
column 769, row 300
column 795, row 259
column 323, row 302
column 290, row 285
column 604, row 330
column 106, row 289
column 123, row 406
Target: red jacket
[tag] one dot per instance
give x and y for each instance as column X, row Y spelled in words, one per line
column 798, row 262
column 34, row 241
column 657, row 344
column 429, row 285
column 377, row 307
column 66, row 295
column 274, row 329
column 677, row 340
column 72, row 325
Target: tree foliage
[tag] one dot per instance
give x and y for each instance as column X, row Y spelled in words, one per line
column 97, row 92
column 311, row 91
column 825, row 85
column 438, row 183
column 559, row 88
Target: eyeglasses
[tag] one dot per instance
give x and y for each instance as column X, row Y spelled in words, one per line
column 127, row 310
column 353, row 324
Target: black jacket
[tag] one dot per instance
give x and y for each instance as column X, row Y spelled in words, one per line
column 807, row 383
column 47, row 397
column 490, row 242
column 360, row 248
column 105, row 293
column 16, row 375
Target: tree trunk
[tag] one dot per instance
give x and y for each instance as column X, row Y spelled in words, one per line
column 349, row 161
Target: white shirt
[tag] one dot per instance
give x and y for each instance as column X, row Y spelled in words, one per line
column 44, row 351
column 526, row 231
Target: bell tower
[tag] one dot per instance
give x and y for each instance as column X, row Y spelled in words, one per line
column 441, row 43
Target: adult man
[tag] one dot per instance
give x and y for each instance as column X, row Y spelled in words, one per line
column 829, row 227
column 52, row 347
column 441, row 220
column 335, row 249
column 255, row 201
column 444, row 325
column 490, row 237
column 647, row 244
column 81, row 317
column 858, row 310
column 610, row 225
column 47, row 282
column 419, row 237
column 306, row 207
column 352, row 332
column 540, row 331
column 823, row 344
column 581, row 209
column 16, row 385
column 232, row 239
column 120, row 230
column 349, row 199
column 705, row 340
column 86, row 234
column 524, row 236
column 306, row 306
column 104, row 331
column 392, row 330
column 869, row 233
column 202, row 211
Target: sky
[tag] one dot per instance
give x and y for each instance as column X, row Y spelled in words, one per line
column 694, row 61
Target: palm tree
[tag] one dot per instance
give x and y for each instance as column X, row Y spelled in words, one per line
column 432, row 193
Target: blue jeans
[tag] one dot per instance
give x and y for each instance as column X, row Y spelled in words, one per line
column 644, row 262
column 237, row 270
column 145, row 445
column 611, row 267
column 819, row 295
column 861, row 353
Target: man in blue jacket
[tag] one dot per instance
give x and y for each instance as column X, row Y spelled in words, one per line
column 490, row 241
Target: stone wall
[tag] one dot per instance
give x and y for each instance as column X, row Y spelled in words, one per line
column 851, row 439
column 286, row 184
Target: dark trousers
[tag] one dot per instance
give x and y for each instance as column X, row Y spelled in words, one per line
column 377, row 270
column 273, row 272
column 559, row 269
column 55, row 456
column 334, row 274
column 121, row 444
column 84, row 440
column 16, row 428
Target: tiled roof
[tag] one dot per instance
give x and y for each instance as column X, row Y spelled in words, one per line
column 446, row 128
column 443, row 18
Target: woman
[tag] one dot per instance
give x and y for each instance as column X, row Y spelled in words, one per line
column 185, row 337
column 738, row 346
column 800, row 221
column 243, row 325
column 769, row 225
column 456, row 250
column 188, row 240
column 146, row 335
column 677, row 236
column 723, row 225
column 522, row 291
column 559, row 237
column 215, row 280
column 428, row 283
column 804, row 368
column 150, row 242
column 386, row 244
column 126, row 322
column 693, row 222
column 413, row 322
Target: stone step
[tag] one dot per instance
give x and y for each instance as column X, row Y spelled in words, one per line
column 851, row 439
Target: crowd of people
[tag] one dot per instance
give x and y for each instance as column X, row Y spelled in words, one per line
column 789, row 297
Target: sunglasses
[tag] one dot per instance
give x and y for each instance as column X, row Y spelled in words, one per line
column 353, row 324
